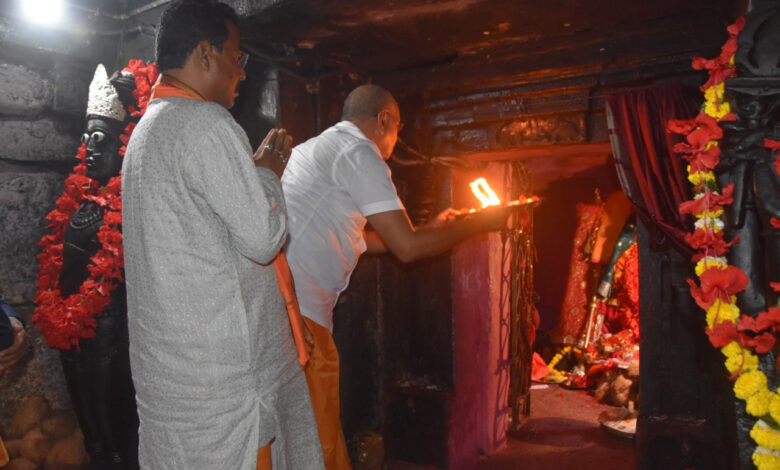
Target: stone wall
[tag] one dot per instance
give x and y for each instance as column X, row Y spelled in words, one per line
column 44, row 79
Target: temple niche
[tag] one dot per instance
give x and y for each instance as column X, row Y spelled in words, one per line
column 598, row 328
column 514, row 343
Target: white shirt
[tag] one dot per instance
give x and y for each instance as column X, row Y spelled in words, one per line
column 331, row 184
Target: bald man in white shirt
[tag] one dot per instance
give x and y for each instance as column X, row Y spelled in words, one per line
column 335, row 183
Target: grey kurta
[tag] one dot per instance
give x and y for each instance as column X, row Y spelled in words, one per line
column 212, row 356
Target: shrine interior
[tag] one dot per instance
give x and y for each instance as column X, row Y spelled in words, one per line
column 439, row 357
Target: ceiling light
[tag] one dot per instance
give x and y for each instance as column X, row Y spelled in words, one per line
column 45, row 12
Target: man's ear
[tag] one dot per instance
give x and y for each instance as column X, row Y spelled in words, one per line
column 382, row 121
column 202, row 54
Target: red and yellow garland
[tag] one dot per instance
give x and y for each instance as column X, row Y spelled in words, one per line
column 64, row 321
column 739, row 337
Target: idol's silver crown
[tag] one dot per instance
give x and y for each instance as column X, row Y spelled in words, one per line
column 103, row 97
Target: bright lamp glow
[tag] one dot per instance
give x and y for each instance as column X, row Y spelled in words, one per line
column 42, row 11
column 484, row 192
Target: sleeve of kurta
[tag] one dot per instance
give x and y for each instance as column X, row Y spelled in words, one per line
column 247, row 199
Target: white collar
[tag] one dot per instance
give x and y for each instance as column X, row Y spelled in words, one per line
column 350, row 128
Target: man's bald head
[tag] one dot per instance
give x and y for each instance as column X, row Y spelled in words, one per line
column 375, row 112
column 365, row 102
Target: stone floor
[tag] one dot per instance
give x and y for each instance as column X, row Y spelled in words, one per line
column 562, row 433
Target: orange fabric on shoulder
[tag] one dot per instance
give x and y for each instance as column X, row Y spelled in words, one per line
column 167, row 87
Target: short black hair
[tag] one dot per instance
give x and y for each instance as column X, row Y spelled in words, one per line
column 184, row 24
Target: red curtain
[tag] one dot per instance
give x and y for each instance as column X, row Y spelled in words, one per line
column 652, row 175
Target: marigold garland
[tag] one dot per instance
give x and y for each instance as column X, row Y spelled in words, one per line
column 719, row 282
column 557, row 358
column 64, row 321
column 774, row 408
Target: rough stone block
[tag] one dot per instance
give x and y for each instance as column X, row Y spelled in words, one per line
column 67, row 453
column 25, row 199
column 39, row 372
column 71, row 87
column 451, row 117
column 23, row 92
column 442, row 142
column 21, row 464
column 59, row 424
column 35, row 446
column 40, row 140
column 250, row 7
column 13, row 447
column 472, row 140
column 32, row 411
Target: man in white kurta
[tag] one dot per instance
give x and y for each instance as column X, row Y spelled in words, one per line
column 213, row 360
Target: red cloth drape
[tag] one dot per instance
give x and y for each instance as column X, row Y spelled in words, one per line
column 652, row 175
column 574, row 311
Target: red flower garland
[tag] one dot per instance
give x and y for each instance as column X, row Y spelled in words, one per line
column 64, row 321
column 710, row 201
column 719, row 68
column 718, row 283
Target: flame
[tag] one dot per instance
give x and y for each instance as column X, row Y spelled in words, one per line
column 482, row 191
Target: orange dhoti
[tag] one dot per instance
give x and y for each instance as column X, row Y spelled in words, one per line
column 322, row 375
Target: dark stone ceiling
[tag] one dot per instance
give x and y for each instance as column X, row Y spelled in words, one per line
column 444, row 43
column 446, row 40
column 376, row 38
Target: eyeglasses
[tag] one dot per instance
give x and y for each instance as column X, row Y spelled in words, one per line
column 243, row 58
